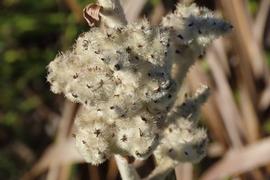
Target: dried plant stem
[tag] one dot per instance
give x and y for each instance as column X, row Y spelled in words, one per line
column 126, row 170
column 245, row 39
column 228, row 109
column 76, row 9
column 184, row 171
column 69, row 112
column 260, row 21
column 160, row 172
column 251, row 157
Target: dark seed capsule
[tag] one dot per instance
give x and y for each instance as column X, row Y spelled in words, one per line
column 124, row 138
column 140, row 132
column 144, row 119
column 134, row 70
column 137, row 153
column 128, row 49
column 117, row 67
column 75, row 76
column 180, row 36
column 109, row 35
column 177, row 52
column 97, row 132
column 88, row 86
column 120, row 30
column 156, row 136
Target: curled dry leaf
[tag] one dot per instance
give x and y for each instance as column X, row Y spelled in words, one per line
column 91, row 14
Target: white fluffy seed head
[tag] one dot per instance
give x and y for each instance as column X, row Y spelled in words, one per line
column 182, row 142
column 193, row 29
column 137, row 137
column 122, row 76
column 124, row 68
column 92, row 136
column 192, row 24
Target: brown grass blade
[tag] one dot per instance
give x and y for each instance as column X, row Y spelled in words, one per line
column 260, row 21
column 76, row 9
column 93, row 172
column 244, row 38
column 249, row 115
column 59, row 154
column 242, row 160
column 112, row 170
column 225, row 102
column 219, row 45
column 70, row 109
column 215, row 149
column 66, row 122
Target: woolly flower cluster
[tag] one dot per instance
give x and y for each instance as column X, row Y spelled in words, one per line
column 182, row 140
column 127, row 77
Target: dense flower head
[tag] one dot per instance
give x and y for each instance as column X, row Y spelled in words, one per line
column 123, row 76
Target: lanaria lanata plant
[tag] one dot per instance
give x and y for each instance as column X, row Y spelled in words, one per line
column 128, row 78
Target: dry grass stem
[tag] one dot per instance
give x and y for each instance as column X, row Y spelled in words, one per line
column 251, row 157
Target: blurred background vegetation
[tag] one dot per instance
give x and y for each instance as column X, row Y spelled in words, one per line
column 32, row 32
